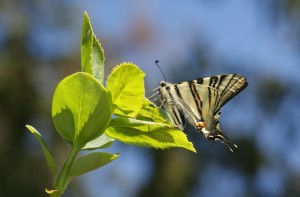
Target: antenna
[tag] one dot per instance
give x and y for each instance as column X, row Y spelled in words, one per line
column 156, row 62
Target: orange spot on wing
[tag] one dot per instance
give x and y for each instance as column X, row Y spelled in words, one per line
column 201, row 124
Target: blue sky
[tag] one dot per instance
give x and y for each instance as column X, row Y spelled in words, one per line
column 237, row 31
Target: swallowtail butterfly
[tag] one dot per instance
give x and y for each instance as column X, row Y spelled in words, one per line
column 199, row 102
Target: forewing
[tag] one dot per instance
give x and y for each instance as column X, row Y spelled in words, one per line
column 172, row 104
column 198, row 101
column 227, row 86
column 182, row 102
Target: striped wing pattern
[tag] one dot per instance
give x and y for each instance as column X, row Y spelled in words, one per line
column 199, row 101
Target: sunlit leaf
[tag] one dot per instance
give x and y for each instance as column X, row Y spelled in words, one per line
column 126, row 87
column 92, row 54
column 100, row 142
column 98, row 60
column 142, row 125
column 81, row 108
column 151, row 112
column 159, row 137
column 86, row 45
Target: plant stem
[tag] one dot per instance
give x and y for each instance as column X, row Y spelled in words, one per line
column 61, row 182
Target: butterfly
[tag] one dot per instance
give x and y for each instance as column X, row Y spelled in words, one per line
column 199, row 102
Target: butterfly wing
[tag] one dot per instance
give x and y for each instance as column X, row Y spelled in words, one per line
column 178, row 106
column 227, row 86
column 200, row 100
column 188, row 100
column 197, row 99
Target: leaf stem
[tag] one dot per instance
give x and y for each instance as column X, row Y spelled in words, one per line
column 63, row 179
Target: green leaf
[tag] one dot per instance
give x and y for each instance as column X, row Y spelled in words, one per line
column 159, row 137
column 98, row 60
column 81, row 108
column 91, row 162
column 126, row 87
column 86, row 45
column 47, row 154
column 151, row 112
column 150, row 128
column 92, row 54
column 100, row 142
column 142, row 125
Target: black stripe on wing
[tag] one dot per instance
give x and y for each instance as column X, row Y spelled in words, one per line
column 196, row 97
column 177, row 113
column 221, row 88
column 231, row 85
column 227, row 86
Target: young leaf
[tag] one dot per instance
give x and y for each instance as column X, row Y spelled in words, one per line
column 149, row 128
column 142, row 125
column 92, row 54
column 126, row 87
column 150, row 112
column 98, row 60
column 47, row 154
column 161, row 137
column 91, row 162
column 81, row 108
column 100, row 142
column 86, row 45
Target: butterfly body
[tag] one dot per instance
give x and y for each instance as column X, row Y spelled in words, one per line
column 199, row 102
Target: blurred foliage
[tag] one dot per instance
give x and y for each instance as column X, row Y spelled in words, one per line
column 175, row 174
column 271, row 94
column 293, row 7
column 22, row 172
column 18, row 98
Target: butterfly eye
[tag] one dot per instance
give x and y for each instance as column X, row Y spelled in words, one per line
column 162, row 84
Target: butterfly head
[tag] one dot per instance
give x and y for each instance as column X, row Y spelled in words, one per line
column 164, row 88
column 162, row 84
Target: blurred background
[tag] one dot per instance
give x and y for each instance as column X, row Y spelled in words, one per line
column 40, row 45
